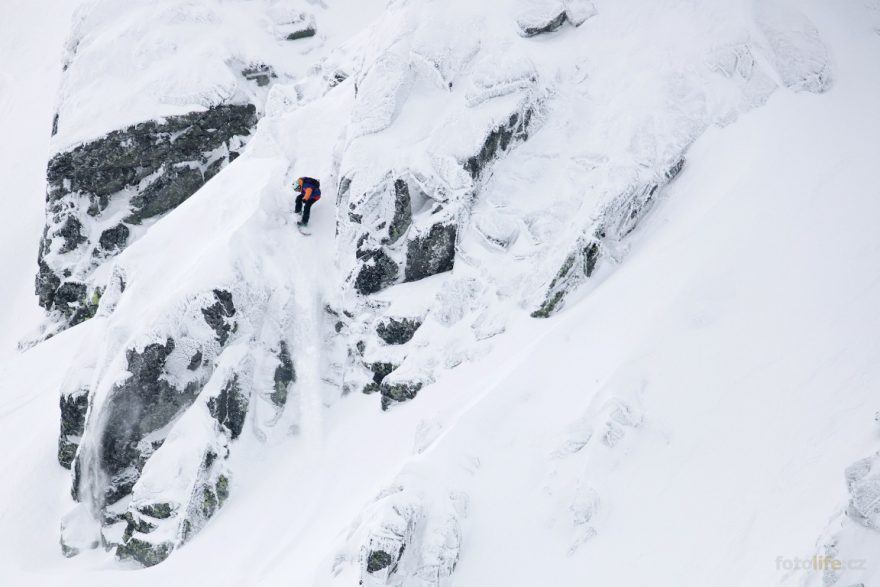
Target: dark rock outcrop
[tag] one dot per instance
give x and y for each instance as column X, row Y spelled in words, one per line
column 146, row 553
column 152, row 166
column 73, row 422
column 166, row 192
column 402, row 211
column 379, row 559
column 431, row 253
column 284, row 376
column 230, row 407
column 114, row 239
column 303, row 33
column 141, row 404
column 219, row 314
column 398, row 392
column 582, row 262
column 377, row 272
column 547, row 25
column 500, row 139
column 260, row 73
column 71, row 234
column 124, row 158
column 46, row 284
column 397, row 330
column 617, row 221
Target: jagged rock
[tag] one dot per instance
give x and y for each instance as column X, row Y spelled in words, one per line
column 260, row 73
column 379, row 559
column 195, row 362
column 176, row 184
column 71, row 233
column 284, row 376
column 230, row 407
column 531, row 27
column 73, row 422
column 160, row 511
column 218, row 315
column 397, row 331
column 377, row 272
column 410, row 538
column 71, row 298
column 115, row 238
column 618, row 220
column 432, row 253
column 152, row 167
column 499, row 140
column 381, row 370
column 46, row 285
column 863, row 483
column 398, row 392
column 144, row 552
column 582, row 261
column 402, row 211
column 125, row 157
column 139, row 405
column 303, row 33
column 547, row 16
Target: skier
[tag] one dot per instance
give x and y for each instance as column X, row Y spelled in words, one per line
column 309, row 190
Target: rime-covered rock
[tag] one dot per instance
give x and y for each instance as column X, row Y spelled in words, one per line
column 285, row 374
column 143, row 403
column 73, row 422
column 397, row 331
column 230, row 407
column 618, row 219
column 431, row 253
column 148, row 169
column 377, row 272
column 863, row 483
column 796, row 48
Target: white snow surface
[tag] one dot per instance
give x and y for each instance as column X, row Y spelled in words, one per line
column 685, row 420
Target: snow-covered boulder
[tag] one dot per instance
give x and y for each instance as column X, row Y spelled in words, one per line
column 796, row 48
column 409, row 536
column 616, row 221
column 863, row 483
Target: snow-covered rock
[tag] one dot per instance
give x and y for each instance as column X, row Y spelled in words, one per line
column 480, row 163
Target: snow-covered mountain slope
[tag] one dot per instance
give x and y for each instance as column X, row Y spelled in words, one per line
column 684, row 414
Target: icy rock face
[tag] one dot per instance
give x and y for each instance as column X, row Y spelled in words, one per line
column 400, row 223
column 98, row 191
column 397, row 330
column 852, row 535
column 617, row 221
column 73, row 421
column 796, row 48
column 547, row 16
column 121, row 470
column 863, row 483
column 409, row 537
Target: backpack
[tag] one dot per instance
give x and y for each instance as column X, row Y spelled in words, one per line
column 310, row 182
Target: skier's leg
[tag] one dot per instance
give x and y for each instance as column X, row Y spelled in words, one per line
column 307, row 209
column 299, row 204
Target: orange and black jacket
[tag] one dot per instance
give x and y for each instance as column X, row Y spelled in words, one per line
column 310, row 189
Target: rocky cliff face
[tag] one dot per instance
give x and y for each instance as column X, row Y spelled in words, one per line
column 481, row 164
column 101, row 192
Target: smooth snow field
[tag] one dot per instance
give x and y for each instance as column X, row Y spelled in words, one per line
column 684, row 420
